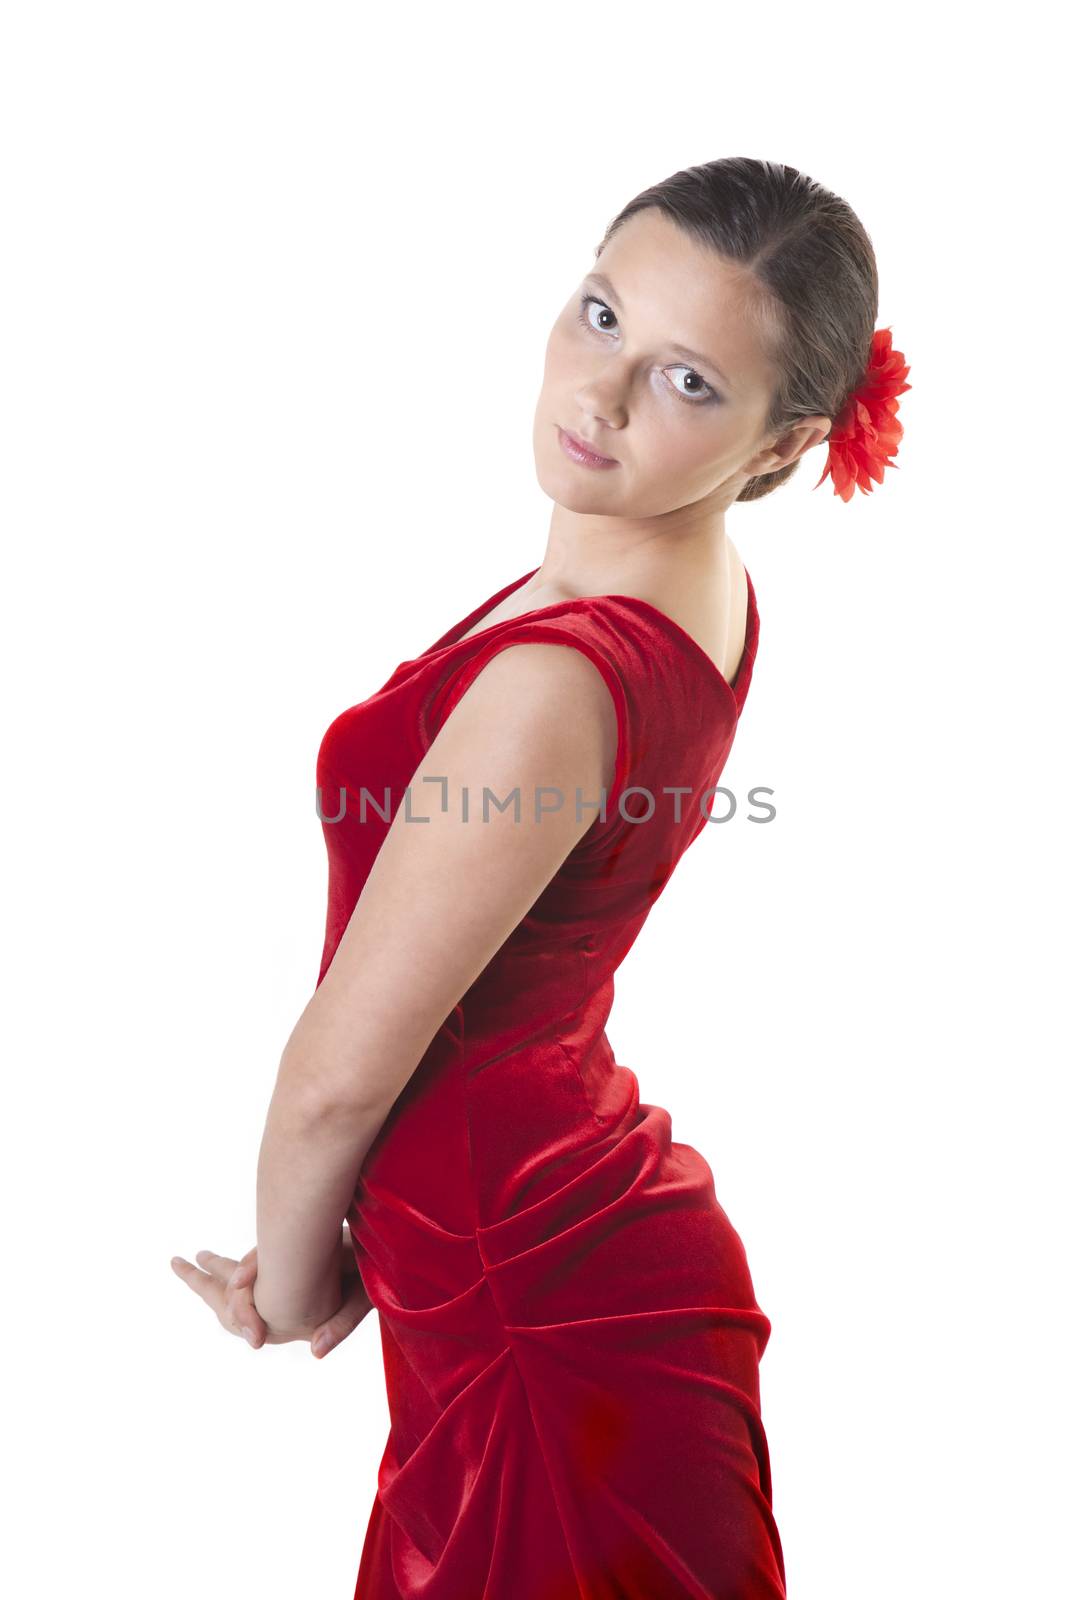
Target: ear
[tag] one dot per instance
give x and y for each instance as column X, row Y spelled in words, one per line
column 805, row 435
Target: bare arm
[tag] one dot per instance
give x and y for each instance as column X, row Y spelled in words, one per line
column 442, row 897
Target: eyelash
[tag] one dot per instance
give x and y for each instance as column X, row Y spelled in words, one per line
column 593, row 299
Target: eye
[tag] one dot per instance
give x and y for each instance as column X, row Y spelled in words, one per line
column 590, row 300
column 695, row 396
column 703, row 395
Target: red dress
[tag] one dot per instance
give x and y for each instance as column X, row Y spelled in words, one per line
column 569, row 1332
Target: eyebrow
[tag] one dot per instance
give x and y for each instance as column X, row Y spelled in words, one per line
column 679, row 349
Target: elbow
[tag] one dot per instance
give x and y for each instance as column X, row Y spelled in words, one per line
column 348, row 1055
column 317, row 1090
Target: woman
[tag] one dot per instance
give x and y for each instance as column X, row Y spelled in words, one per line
column 569, row 1330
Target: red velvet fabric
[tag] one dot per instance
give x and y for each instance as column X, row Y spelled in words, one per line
column 570, row 1337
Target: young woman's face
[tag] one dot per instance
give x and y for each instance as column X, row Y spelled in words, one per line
column 679, row 422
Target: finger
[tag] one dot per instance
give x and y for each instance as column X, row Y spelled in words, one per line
column 253, row 1332
column 207, row 1287
column 332, row 1332
column 244, row 1272
column 218, row 1266
column 213, row 1293
column 243, row 1311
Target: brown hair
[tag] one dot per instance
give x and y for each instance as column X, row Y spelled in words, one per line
column 811, row 261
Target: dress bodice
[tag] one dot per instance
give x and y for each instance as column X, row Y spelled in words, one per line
column 550, row 985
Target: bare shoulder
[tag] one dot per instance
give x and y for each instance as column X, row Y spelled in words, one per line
column 543, row 672
column 540, row 705
column 713, row 611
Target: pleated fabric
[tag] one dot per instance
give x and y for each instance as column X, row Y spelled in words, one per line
column 570, row 1335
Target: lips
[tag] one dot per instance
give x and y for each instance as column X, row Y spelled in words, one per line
column 582, row 450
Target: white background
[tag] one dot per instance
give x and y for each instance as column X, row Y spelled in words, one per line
column 278, row 281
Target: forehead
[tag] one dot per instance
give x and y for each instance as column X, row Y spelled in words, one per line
column 674, row 288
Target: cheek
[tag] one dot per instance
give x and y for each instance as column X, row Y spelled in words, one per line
column 686, row 457
column 559, row 356
column 673, row 445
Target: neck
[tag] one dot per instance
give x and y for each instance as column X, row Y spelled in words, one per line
column 654, row 557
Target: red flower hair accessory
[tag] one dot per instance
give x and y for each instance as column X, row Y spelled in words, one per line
column 866, row 431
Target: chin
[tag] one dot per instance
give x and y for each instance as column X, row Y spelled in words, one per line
column 559, row 481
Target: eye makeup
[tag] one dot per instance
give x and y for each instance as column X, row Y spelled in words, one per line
column 705, row 396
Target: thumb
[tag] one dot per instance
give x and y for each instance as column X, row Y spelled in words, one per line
column 343, row 1323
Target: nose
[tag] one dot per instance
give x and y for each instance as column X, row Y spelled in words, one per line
column 603, row 399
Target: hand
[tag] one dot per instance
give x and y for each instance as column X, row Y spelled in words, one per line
column 226, row 1286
